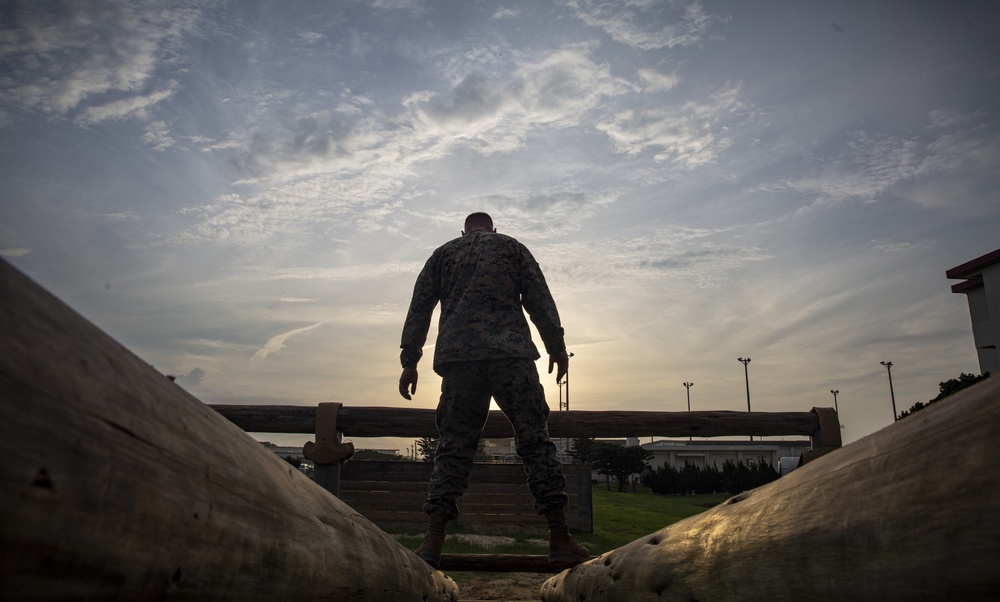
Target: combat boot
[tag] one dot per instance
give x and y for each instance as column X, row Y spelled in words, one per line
column 562, row 547
column 430, row 550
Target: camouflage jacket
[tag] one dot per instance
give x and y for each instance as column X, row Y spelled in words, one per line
column 483, row 280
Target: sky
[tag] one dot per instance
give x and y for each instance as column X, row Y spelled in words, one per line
column 242, row 193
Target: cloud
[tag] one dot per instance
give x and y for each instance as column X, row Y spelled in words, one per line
column 353, row 167
column 277, row 343
column 638, row 23
column 15, row 252
column 551, row 211
column 58, row 58
column 310, row 37
column 192, row 378
column 674, row 254
column 933, row 168
column 654, row 81
column 505, row 13
column 690, row 135
column 903, row 247
column 158, row 136
column 353, row 273
column 134, row 106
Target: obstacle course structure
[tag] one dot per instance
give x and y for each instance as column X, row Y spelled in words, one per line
column 116, row 483
column 911, row 512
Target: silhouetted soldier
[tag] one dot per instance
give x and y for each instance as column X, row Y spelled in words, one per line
column 485, row 282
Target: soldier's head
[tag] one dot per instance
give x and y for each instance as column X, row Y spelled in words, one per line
column 478, row 222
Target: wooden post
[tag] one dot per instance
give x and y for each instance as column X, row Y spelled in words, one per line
column 826, row 438
column 329, row 451
column 117, row 484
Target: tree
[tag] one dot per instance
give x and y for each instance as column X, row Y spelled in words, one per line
column 426, row 447
column 362, row 455
column 620, row 463
column 735, row 477
column 584, row 451
column 946, row 388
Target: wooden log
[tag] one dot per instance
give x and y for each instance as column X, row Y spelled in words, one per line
column 411, row 422
column 117, row 484
column 911, row 512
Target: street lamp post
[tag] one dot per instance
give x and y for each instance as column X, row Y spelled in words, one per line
column 746, row 373
column 560, row 383
column 892, row 394
column 836, row 408
column 566, row 380
column 688, row 386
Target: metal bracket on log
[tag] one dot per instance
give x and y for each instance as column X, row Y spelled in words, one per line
column 328, row 452
column 827, row 436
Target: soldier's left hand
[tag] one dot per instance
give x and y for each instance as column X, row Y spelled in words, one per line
column 408, row 382
column 560, row 359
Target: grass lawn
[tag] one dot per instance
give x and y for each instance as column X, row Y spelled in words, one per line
column 619, row 518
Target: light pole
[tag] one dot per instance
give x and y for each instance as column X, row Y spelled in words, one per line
column 746, row 373
column 560, row 383
column 566, row 380
column 836, row 408
column 688, row 386
column 888, row 367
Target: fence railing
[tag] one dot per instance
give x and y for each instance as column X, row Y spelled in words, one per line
column 820, row 424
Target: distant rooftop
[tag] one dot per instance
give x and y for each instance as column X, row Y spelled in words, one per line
column 971, row 272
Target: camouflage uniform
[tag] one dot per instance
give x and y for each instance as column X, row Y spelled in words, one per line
column 484, row 282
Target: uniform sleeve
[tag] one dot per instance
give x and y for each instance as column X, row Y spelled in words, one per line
column 539, row 304
column 418, row 319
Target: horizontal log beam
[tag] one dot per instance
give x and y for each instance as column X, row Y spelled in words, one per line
column 502, row 563
column 410, row 422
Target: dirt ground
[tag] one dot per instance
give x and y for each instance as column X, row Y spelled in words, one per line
column 499, row 586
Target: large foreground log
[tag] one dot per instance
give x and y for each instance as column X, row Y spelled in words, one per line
column 116, row 484
column 909, row 513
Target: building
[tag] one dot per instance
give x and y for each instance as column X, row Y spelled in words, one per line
column 707, row 452
column 701, row 452
column 981, row 286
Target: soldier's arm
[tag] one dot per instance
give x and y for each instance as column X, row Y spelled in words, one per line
column 418, row 322
column 538, row 302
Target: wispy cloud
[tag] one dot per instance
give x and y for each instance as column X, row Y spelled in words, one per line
column 696, row 256
column 640, row 24
column 62, row 59
column 15, row 252
column 277, row 343
column 135, row 106
column 690, row 135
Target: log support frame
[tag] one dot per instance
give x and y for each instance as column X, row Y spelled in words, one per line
column 827, row 436
column 329, row 451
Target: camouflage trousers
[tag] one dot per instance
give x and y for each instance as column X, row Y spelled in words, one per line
column 466, row 390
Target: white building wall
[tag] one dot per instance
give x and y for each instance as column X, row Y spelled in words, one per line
column 982, row 292
column 985, row 312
